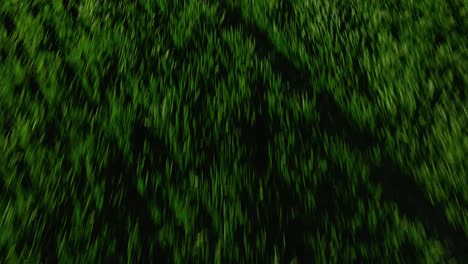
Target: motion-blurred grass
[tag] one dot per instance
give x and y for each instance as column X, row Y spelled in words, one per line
column 268, row 131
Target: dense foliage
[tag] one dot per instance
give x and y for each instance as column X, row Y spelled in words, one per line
column 266, row 131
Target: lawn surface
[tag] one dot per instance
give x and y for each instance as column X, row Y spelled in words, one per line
column 203, row 131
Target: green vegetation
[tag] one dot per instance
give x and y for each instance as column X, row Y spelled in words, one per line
column 203, row 131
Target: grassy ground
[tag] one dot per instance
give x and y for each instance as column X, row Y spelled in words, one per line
column 263, row 131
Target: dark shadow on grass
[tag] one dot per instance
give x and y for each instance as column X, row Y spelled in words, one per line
column 74, row 90
column 399, row 187
column 158, row 153
column 6, row 193
column 120, row 180
column 31, row 86
column 52, row 133
column 34, row 88
column 21, row 53
column 362, row 80
column 273, row 215
column 3, row 54
column 51, row 41
column 71, row 81
column 256, row 136
column 234, row 20
column 459, row 84
column 298, row 81
column 35, row 8
column 285, row 12
column 70, row 77
column 331, row 205
column 71, row 8
column 232, row 16
column 335, row 122
column 54, row 224
column 8, row 23
column 456, row 8
column 23, row 168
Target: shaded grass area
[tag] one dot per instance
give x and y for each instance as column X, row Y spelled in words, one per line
column 234, row 131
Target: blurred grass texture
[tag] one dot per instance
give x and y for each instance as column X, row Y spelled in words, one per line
column 203, row 131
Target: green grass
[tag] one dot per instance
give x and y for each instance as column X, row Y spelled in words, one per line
column 263, row 131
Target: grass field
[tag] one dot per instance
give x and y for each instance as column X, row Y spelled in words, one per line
column 203, row 131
